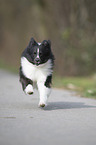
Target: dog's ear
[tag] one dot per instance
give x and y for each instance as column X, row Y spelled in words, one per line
column 32, row 42
column 46, row 43
column 49, row 42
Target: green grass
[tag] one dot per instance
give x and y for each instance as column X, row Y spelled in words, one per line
column 85, row 86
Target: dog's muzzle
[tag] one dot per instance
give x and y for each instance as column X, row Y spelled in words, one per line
column 37, row 61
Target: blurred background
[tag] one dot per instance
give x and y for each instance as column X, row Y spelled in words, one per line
column 69, row 24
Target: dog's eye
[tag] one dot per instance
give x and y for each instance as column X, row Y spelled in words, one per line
column 40, row 53
column 34, row 52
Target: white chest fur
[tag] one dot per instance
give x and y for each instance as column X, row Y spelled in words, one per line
column 36, row 73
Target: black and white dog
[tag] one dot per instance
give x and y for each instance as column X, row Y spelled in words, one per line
column 37, row 63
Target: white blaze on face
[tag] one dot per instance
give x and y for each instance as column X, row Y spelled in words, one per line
column 37, row 53
column 39, row 43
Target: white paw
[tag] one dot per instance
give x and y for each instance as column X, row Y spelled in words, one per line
column 29, row 89
column 42, row 104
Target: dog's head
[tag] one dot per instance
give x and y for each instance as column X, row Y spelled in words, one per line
column 39, row 52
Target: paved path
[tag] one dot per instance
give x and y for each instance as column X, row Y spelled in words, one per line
column 67, row 120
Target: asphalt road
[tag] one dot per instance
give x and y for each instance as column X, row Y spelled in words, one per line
column 67, row 120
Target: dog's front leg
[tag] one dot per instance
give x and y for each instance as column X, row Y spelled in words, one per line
column 27, row 84
column 44, row 93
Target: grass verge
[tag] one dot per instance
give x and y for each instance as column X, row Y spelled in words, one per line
column 84, row 86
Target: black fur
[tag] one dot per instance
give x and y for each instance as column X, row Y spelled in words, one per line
column 48, row 81
column 45, row 52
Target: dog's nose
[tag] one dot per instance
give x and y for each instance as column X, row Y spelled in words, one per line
column 37, row 60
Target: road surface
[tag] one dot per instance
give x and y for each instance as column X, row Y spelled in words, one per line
column 67, row 120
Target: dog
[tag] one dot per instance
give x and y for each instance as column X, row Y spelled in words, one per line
column 37, row 62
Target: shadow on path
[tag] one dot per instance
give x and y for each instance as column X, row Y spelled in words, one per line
column 66, row 105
